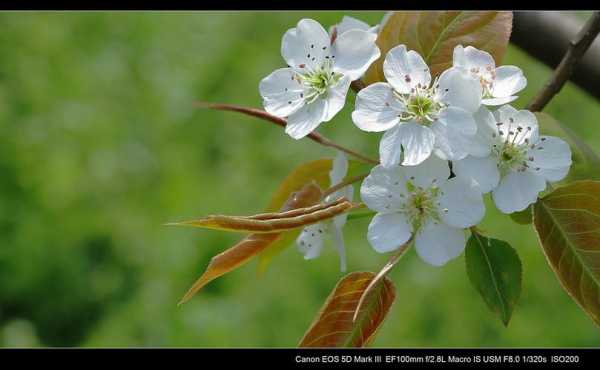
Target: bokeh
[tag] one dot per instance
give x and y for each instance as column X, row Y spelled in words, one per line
column 101, row 144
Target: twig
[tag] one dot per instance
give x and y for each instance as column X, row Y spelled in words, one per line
column 563, row 72
column 381, row 274
column 314, row 136
column 344, row 183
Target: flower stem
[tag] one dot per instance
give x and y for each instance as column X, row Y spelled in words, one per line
column 343, row 184
column 381, row 274
column 314, row 136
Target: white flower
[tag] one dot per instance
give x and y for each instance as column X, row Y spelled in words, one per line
column 313, row 88
column 511, row 159
column 350, row 23
column 421, row 200
column 420, row 116
column 311, row 239
column 499, row 84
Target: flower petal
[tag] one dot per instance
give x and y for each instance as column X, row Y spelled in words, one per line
column 509, row 81
column 517, row 190
column 306, row 119
column 384, row 190
column 492, row 102
column 339, row 169
column 405, row 70
column 310, row 240
column 306, row 45
column 338, row 243
column 483, row 172
column 336, row 98
column 471, row 57
column 281, row 92
column 417, row 141
column 431, row 171
column 354, row 51
column 388, row 231
column 390, row 147
column 461, row 204
column 459, row 89
column 551, row 156
column 520, row 123
column 350, row 23
column 454, row 132
column 376, row 108
column 438, row 243
column 487, row 131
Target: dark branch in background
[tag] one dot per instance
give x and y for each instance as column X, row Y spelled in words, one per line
column 548, row 35
column 259, row 113
column 577, row 48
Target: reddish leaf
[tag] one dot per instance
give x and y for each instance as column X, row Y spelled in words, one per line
column 568, row 225
column 251, row 245
column 273, row 222
column 435, row 34
column 334, row 326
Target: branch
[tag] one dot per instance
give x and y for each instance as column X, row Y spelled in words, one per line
column 381, row 274
column 563, row 72
column 314, row 136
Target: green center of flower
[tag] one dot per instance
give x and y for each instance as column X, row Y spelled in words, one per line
column 318, row 81
column 510, row 157
column 421, row 105
column 422, row 205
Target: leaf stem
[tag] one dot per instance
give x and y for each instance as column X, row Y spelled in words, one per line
column 381, row 274
column 314, row 136
column 563, row 72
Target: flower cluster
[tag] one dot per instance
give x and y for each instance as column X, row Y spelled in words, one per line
column 447, row 139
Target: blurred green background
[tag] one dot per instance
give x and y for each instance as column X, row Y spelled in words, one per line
column 100, row 144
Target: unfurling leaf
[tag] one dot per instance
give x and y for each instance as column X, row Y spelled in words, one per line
column 273, row 222
column 251, row 245
column 585, row 161
column 494, row 269
column 435, row 34
column 317, row 171
column 334, row 326
column 567, row 222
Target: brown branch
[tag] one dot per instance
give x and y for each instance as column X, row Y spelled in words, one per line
column 563, row 72
column 343, row 184
column 259, row 113
column 381, row 274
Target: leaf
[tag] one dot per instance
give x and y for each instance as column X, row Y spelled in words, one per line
column 272, row 222
column 585, row 161
column 523, row 217
column 494, row 269
column 311, row 171
column 251, row 245
column 317, row 171
column 435, row 34
column 567, row 222
column 334, row 326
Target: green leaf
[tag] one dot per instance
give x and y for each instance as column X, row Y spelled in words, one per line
column 435, row 34
column 494, row 269
column 524, row 217
column 585, row 161
column 567, row 222
column 334, row 325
